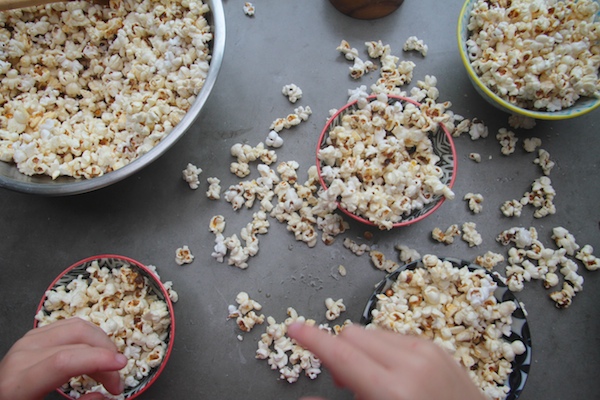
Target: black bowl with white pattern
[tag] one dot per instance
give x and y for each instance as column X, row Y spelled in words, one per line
column 520, row 327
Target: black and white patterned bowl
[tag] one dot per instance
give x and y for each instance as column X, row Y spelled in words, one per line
column 155, row 287
column 520, row 328
column 443, row 147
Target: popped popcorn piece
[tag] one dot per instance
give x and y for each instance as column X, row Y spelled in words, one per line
column 470, row 234
column 292, row 92
column 511, row 208
column 447, row 236
column 507, row 140
column 334, row 308
column 214, row 188
column 349, row 52
column 249, row 9
column 541, row 196
column 543, row 160
column 536, row 57
column 589, row 260
column 520, row 236
column 565, row 240
column 414, row 43
column 407, row 255
column 217, row 224
column 475, row 157
column 357, row 249
column 245, row 313
column 377, row 49
column 360, row 68
column 489, row 260
column 381, row 262
column 106, row 87
column 190, row 175
column 517, row 121
column 125, row 306
column 183, row 255
column 478, row 129
column 456, row 308
column 564, row 297
column 531, row 144
column 475, row 202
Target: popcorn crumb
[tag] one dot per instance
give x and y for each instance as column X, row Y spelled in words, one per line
column 475, row 157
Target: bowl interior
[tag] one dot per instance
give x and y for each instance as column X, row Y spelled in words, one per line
column 520, row 328
column 443, row 147
column 582, row 106
column 11, row 178
column 155, row 287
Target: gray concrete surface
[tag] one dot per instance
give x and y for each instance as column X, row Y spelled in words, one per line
column 150, row 215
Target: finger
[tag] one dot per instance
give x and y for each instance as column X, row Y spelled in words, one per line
column 68, row 331
column 93, row 396
column 380, row 343
column 351, row 366
column 58, row 367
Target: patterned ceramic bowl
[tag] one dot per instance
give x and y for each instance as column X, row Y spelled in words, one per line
column 520, row 328
column 143, row 278
column 442, row 145
column 582, row 106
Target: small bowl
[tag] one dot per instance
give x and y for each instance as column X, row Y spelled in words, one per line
column 11, row 178
column 155, row 287
column 582, row 106
column 520, row 327
column 443, row 147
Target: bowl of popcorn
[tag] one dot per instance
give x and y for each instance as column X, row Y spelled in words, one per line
column 100, row 91
column 387, row 161
column 536, row 59
column 466, row 310
column 127, row 300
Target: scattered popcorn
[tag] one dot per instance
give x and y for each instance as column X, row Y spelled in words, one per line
column 360, row 68
column 517, row 121
column 357, row 249
column 478, row 129
column 381, row 263
column 475, row 157
column 183, row 255
column 511, row 208
column 334, row 308
column 541, row 196
column 349, row 52
column 446, row 237
column 475, row 202
column 106, row 90
column 521, row 237
column 214, row 189
column 407, row 255
column 293, row 92
column 245, row 313
column 470, row 234
column 190, row 175
column 249, row 9
column 531, row 144
column 537, row 57
column 413, row 43
column 565, row 240
column 589, row 260
column 124, row 305
column 543, row 160
column 456, row 308
column 507, row 140
column 342, row 270
column 391, row 171
column 489, row 260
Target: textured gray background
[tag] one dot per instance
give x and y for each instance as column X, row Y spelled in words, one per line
column 149, row 215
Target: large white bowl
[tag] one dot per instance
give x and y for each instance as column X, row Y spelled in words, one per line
column 11, row 178
column 581, row 107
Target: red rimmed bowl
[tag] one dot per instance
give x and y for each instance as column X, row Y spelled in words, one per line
column 142, row 283
column 441, row 146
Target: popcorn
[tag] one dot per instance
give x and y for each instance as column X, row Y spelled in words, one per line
column 531, row 144
column 407, row 255
column 478, row 129
column 249, row 9
column 293, row 92
column 507, row 140
column 543, row 160
column 414, row 43
column 456, row 308
column 470, row 234
column 511, row 208
column 190, row 175
column 541, row 196
column 68, row 120
column 349, row 52
column 183, row 255
column 357, row 249
column 381, row 263
column 245, row 313
column 475, row 202
column 446, row 237
column 214, row 188
column 123, row 304
column 489, row 260
column 589, row 260
column 565, row 240
column 342, row 270
column 334, row 308
column 475, row 157
column 548, row 65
